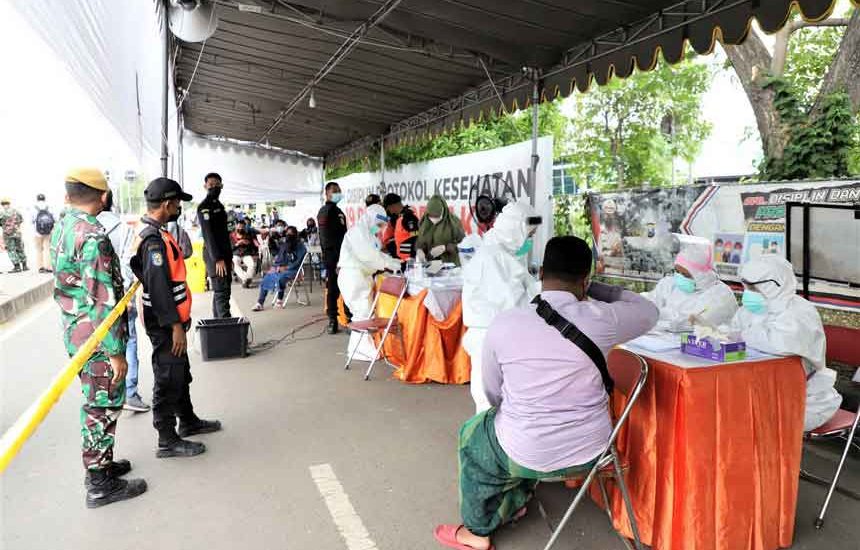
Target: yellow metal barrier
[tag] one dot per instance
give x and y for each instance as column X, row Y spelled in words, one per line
column 23, row 428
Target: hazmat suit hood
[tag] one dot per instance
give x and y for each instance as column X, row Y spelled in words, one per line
column 697, row 257
column 510, row 230
column 374, row 215
column 781, row 288
column 468, row 247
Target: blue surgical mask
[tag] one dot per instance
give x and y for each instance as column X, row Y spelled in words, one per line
column 336, row 197
column 753, row 302
column 525, row 248
column 374, row 229
column 685, row 284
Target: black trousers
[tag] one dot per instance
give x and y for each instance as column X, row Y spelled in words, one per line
column 331, row 288
column 171, row 395
column 221, row 288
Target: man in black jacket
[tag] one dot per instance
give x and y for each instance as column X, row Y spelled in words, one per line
column 332, row 227
column 218, row 250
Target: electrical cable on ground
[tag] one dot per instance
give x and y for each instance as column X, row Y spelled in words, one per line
column 273, row 343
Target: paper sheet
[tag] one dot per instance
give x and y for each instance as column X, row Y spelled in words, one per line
column 654, row 343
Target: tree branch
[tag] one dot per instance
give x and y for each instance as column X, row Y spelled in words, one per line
column 843, row 72
column 801, row 24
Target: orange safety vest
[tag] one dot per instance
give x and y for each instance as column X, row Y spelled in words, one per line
column 176, row 267
column 405, row 250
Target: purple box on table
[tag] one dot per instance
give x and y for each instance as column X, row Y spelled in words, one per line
column 727, row 351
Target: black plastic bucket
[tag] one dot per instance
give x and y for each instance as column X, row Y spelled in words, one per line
column 223, row 338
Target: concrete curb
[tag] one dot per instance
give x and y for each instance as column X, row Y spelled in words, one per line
column 17, row 305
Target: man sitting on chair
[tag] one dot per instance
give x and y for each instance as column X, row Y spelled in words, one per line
column 549, row 415
column 285, row 267
column 245, row 252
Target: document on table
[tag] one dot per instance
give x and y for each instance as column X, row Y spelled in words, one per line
column 656, row 343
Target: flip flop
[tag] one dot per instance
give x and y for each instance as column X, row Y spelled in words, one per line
column 446, row 535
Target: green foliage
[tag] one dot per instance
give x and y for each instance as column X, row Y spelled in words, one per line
column 810, row 53
column 494, row 132
column 817, row 147
column 571, row 216
column 617, row 136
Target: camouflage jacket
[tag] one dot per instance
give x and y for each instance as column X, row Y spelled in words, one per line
column 87, row 281
column 10, row 222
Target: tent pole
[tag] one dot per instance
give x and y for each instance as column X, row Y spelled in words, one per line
column 535, row 156
column 164, row 92
column 382, row 161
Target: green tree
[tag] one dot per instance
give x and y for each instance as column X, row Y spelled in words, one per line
column 629, row 132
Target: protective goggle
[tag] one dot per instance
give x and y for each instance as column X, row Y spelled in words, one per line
column 755, row 283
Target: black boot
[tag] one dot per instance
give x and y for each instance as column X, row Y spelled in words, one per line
column 198, row 427
column 24, row 266
column 117, row 468
column 16, row 269
column 333, row 327
column 179, row 448
column 105, row 489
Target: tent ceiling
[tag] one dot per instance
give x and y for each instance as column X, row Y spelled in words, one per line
column 425, row 65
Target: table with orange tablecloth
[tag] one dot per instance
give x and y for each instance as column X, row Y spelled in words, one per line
column 433, row 349
column 714, row 455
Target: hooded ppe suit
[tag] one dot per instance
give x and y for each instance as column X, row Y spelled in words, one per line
column 360, row 258
column 712, row 300
column 789, row 326
column 495, row 280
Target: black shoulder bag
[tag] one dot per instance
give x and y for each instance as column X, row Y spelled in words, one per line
column 572, row 333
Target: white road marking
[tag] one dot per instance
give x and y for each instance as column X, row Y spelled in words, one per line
column 348, row 523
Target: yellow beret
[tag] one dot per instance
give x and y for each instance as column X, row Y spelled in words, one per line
column 91, row 177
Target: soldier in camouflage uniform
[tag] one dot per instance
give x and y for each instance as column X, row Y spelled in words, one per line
column 87, row 286
column 10, row 221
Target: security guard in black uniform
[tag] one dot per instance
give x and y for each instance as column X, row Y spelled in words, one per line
column 218, row 252
column 332, row 227
column 159, row 265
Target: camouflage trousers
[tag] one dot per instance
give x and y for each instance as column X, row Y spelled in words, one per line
column 15, row 249
column 101, row 408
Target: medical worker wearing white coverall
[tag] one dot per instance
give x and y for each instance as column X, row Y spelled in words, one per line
column 496, row 280
column 360, row 258
column 775, row 320
column 694, row 290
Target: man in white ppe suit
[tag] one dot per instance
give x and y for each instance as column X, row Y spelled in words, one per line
column 496, row 280
column 775, row 320
column 693, row 291
column 360, row 258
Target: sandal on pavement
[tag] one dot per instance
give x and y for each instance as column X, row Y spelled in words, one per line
column 446, row 535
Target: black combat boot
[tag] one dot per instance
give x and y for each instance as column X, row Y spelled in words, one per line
column 332, row 327
column 117, row 468
column 174, row 446
column 198, row 427
column 24, row 266
column 105, row 489
column 16, row 269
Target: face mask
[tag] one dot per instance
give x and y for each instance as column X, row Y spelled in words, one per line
column 374, row 230
column 434, row 220
column 753, row 302
column 684, row 284
column 213, row 192
column 279, row 230
column 525, row 248
column 336, row 197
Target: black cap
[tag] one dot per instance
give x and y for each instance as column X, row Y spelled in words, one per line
column 390, row 199
column 162, row 189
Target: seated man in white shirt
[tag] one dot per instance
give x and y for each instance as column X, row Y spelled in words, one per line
column 550, row 414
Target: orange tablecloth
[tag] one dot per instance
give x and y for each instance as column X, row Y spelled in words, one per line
column 714, row 456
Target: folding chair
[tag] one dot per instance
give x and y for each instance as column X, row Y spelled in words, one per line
column 298, row 280
column 843, row 425
column 629, row 371
column 391, row 286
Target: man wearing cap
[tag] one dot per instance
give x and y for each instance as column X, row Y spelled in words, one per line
column 43, row 225
column 159, row 265
column 10, row 222
column 218, row 252
column 87, row 286
column 402, row 231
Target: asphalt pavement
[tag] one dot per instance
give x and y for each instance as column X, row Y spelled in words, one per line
column 311, row 456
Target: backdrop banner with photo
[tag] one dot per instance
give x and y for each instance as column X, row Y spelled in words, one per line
column 506, row 168
column 632, row 229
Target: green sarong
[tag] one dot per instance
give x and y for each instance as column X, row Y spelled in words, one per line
column 492, row 486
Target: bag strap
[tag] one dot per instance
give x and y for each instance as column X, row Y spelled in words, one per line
column 577, row 337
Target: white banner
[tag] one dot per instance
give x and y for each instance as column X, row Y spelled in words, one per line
column 455, row 177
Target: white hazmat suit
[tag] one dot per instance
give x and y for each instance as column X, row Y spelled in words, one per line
column 790, row 325
column 711, row 300
column 360, row 258
column 495, row 280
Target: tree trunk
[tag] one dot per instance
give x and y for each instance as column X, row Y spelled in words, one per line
column 844, row 72
column 752, row 63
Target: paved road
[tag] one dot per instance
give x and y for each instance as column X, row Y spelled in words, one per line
column 292, row 418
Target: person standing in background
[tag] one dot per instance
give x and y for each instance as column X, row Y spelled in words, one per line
column 332, row 228
column 121, row 236
column 10, row 222
column 43, row 224
column 218, row 250
column 87, row 287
